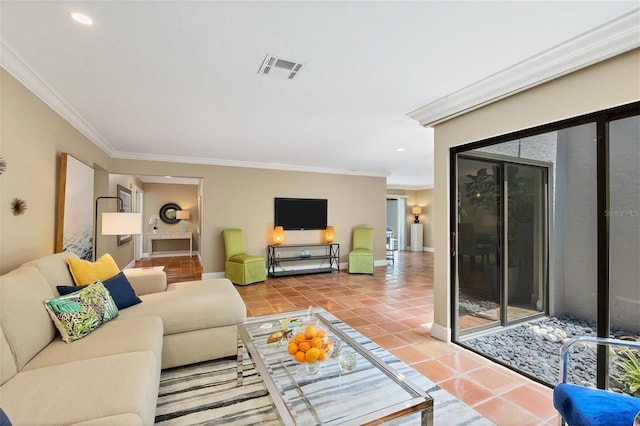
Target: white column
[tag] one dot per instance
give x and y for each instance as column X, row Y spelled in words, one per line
column 416, row 237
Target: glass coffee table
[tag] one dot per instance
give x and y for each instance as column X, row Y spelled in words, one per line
column 366, row 392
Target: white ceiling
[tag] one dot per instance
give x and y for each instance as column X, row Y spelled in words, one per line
column 178, row 80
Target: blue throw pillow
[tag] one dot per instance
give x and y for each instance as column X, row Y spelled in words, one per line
column 4, row 420
column 119, row 287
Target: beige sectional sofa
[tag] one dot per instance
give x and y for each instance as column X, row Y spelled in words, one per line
column 110, row 376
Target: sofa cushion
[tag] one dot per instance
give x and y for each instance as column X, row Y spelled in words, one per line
column 77, row 314
column 8, row 367
column 55, row 269
column 84, row 390
column 85, row 272
column 120, row 420
column 145, row 281
column 119, row 287
column 193, row 305
column 26, row 325
column 115, row 337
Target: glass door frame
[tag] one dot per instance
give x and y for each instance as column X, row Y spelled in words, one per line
column 601, row 119
column 503, row 161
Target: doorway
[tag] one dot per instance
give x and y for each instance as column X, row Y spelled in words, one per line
column 397, row 220
column 501, row 241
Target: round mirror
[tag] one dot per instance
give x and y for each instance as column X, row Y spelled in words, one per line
column 168, row 213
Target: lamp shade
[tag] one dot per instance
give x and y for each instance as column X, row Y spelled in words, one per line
column 329, row 234
column 278, row 235
column 416, row 210
column 121, row 223
column 183, row 215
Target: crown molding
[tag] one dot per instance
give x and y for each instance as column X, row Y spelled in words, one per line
column 606, row 41
column 21, row 71
column 245, row 164
column 18, row 68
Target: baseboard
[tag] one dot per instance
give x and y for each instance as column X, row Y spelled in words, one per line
column 441, row 333
column 212, row 275
column 429, row 249
column 380, row 262
column 171, row 254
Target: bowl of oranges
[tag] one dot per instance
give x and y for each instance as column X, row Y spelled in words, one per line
column 310, row 346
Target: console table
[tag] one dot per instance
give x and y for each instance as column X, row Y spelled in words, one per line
column 171, row 236
column 297, row 259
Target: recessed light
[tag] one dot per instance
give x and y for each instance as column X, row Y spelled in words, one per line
column 81, row 18
column 401, row 149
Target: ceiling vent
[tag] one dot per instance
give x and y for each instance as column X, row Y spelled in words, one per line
column 279, row 67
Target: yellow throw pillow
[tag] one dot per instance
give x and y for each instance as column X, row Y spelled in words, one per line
column 85, row 272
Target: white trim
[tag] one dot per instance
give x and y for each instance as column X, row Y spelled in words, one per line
column 212, row 275
column 441, row 333
column 168, row 253
column 18, row 68
column 429, row 249
column 26, row 75
column 246, row 164
column 608, row 40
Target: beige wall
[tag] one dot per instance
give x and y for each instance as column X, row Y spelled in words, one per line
column 158, row 194
column 422, row 198
column 32, row 136
column 243, row 198
column 604, row 85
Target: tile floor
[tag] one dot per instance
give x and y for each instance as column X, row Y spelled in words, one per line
column 394, row 307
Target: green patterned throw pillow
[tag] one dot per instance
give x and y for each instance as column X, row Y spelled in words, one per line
column 79, row 313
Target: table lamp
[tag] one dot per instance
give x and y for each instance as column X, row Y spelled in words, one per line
column 416, row 210
column 278, row 235
column 183, row 215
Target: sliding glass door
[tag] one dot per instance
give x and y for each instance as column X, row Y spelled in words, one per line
column 501, row 241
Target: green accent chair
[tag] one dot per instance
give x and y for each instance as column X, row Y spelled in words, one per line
column 361, row 254
column 241, row 268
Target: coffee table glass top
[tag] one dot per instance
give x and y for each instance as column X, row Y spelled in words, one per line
column 365, row 392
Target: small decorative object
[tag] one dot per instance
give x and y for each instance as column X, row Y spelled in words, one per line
column 3, row 164
column 348, row 361
column 278, row 235
column 416, row 210
column 168, row 213
column 311, row 345
column 305, row 254
column 284, row 334
column 18, row 206
column 153, row 220
column 329, row 234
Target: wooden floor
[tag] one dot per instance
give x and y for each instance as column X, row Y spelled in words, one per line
column 394, row 307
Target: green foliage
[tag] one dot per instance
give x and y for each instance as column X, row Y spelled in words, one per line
column 629, row 365
column 64, row 306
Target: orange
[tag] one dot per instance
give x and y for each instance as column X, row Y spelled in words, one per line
column 304, row 345
column 293, row 348
column 300, row 356
column 327, row 344
column 299, row 337
column 310, row 332
column 323, row 355
column 312, row 355
column 321, row 333
column 316, row 342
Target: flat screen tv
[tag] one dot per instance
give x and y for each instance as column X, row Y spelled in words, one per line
column 300, row 213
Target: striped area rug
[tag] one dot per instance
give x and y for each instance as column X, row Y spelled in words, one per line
column 206, row 393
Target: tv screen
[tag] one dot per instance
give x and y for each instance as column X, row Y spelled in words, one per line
column 300, row 213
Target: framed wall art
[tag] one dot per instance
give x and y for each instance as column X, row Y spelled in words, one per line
column 74, row 212
column 125, row 195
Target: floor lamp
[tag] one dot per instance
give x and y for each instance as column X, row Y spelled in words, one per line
column 115, row 223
